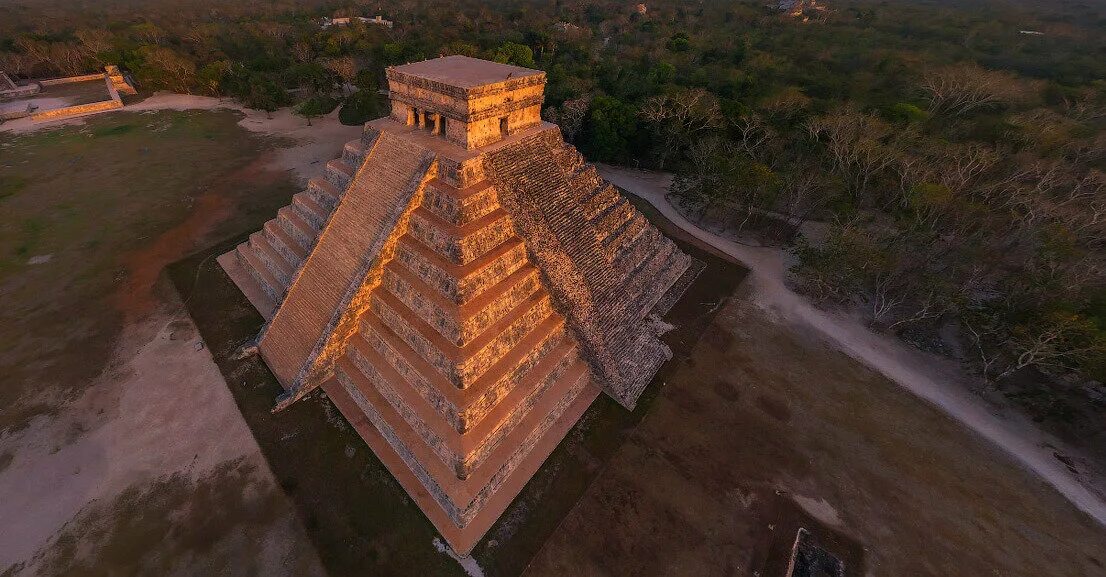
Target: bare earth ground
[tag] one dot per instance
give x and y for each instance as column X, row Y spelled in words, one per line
column 121, row 449
column 766, row 428
column 1072, row 471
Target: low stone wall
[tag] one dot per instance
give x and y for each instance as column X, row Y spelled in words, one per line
column 13, row 113
column 22, row 91
column 83, row 109
column 70, row 79
column 73, row 111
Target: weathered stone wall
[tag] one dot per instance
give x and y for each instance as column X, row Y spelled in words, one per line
column 75, row 111
column 69, row 79
column 473, row 114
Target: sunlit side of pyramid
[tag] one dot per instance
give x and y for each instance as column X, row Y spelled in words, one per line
column 463, row 285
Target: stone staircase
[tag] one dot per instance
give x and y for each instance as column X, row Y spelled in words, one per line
column 610, row 267
column 304, row 337
column 461, row 362
column 273, row 255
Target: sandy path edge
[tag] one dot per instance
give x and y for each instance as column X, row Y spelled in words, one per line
column 935, row 380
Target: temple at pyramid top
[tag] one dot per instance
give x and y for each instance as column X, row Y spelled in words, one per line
column 468, row 101
column 462, row 284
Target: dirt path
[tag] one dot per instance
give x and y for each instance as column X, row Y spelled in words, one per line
column 931, row 378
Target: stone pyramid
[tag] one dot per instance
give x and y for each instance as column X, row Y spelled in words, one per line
column 462, row 285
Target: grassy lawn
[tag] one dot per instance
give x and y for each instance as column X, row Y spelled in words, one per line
column 81, row 202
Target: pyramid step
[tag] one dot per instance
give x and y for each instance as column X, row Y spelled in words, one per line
column 462, row 366
column 519, row 409
column 459, row 324
column 313, row 212
column 461, row 451
column 276, row 264
column 657, row 284
column 522, row 438
column 627, row 234
column 612, row 218
column 440, row 481
column 323, row 191
column 461, row 283
column 461, row 244
column 298, row 228
column 339, row 173
column 599, row 200
column 462, row 498
column 283, row 242
column 372, row 369
column 634, row 253
column 463, row 408
column 642, row 286
column 260, row 273
column 353, row 153
column 460, row 206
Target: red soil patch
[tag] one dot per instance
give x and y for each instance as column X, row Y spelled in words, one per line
column 135, row 297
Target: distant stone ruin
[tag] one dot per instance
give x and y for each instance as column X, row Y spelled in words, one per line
column 347, row 20
column 9, row 90
column 121, row 84
column 462, row 284
column 62, row 98
column 799, row 8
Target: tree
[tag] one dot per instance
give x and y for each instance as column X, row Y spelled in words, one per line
column 680, row 117
column 570, row 116
column 860, row 146
column 344, row 68
column 94, row 42
column 162, row 66
column 264, row 94
column 315, row 106
column 512, row 53
column 148, row 33
column 611, row 130
column 959, row 89
column 679, row 42
column 210, row 77
column 1058, row 340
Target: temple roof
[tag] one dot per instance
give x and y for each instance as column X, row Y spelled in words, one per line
column 464, row 72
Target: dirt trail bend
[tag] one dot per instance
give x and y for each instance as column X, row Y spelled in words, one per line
column 931, row 378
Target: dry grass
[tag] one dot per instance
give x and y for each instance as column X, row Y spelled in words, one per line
column 761, row 413
column 87, row 197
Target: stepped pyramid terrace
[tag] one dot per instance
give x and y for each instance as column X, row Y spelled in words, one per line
column 462, row 285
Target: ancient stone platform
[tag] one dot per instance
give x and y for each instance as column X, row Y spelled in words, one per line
column 462, row 285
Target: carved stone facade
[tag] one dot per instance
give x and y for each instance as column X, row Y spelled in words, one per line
column 469, row 102
column 461, row 297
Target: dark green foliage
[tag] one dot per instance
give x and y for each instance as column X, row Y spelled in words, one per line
column 316, row 106
column 611, row 132
column 361, row 107
column 512, row 53
column 679, row 42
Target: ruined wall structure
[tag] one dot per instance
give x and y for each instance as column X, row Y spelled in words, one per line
column 461, row 292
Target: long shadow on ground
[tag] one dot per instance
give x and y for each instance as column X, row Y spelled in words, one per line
column 360, row 520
